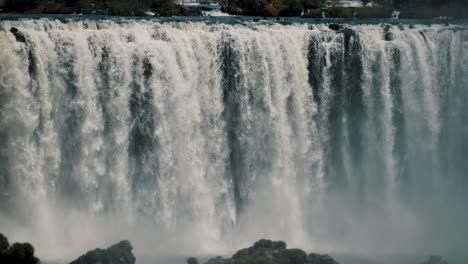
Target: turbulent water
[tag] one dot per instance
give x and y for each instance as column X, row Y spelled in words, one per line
column 199, row 138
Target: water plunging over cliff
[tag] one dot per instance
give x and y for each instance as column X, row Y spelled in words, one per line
column 200, row 137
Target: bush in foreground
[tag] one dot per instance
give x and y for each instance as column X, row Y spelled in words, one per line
column 18, row 253
column 270, row 252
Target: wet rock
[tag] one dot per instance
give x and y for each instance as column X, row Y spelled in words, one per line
column 253, row 8
column 174, row 9
column 311, row 4
column 313, row 13
column 18, row 35
column 120, row 253
column 388, row 36
column 290, row 12
column 335, row 26
column 435, row 260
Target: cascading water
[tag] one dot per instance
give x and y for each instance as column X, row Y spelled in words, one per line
column 203, row 137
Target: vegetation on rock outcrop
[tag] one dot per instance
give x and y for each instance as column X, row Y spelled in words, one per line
column 270, row 252
column 120, row 253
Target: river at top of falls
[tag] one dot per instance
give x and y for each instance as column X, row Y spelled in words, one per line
column 202, row 137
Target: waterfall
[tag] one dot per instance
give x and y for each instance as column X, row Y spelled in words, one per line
column 203, row 137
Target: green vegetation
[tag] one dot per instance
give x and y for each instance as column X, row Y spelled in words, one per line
column 261, row 252
column 118, row 253
column 18, row 253
column 266, row 243
column 291, row 256
column 270, row 252
column 192, row 260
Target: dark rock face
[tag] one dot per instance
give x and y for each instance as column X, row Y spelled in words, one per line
column 388, row 35
column 18, row 35
column 271, row 252
column 312, row 4
column 335, row 26
column 174, row 9
column 435, row 260
column 313, row 13
column 290, row 12
column 268, row 8
column 18, row 253
column 120, row 253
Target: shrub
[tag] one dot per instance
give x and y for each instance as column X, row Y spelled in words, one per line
column 291, row 256
column 3, row 243
column 18, row 253
column 192, row 260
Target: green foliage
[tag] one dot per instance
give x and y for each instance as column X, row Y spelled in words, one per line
column 119, row 252
column 266, row 243
column 263, row 252
column 291, row 256
column 272, row 252
column 241, row 253
column 252, row 259
column 18, row 253
column 21, row 253
column 3, row 243
column 192, row 260
column 268, row 252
